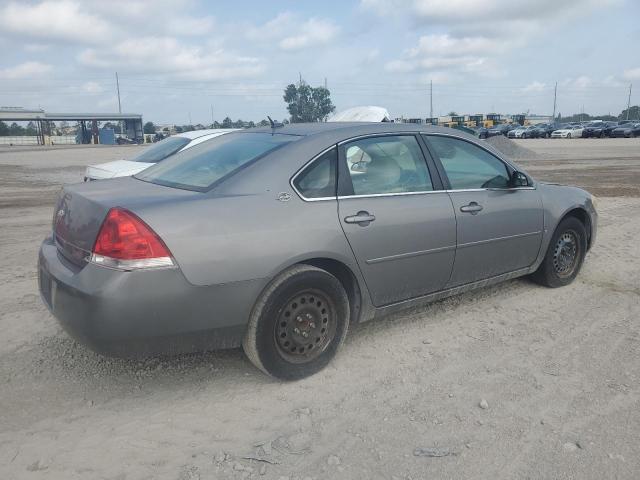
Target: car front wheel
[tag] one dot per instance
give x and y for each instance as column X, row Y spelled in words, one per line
column 564, row 256
column 298, row 323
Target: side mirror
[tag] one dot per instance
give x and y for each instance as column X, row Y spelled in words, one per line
column 519, row 179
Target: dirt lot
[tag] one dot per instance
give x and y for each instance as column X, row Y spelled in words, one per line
column 559, row 370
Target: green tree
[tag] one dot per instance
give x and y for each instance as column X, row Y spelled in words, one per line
column 4, row 129
column 149, row 127
column 634, row 113
column 264, row 123
column 227, row 123
column 307, row 104
column 16, row 129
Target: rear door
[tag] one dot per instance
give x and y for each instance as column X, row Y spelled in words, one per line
column 499, row 227
column 396, row 216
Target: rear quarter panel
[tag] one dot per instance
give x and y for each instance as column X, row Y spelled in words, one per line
column 241, row 230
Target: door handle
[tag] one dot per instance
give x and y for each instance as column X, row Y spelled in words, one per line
column 473, row 208
column 362, row 218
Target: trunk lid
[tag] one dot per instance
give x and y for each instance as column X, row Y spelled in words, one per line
column 117, row 168
column 81, row 209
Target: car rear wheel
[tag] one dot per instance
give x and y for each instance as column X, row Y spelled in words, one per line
column 298, row 324
column 564, row 256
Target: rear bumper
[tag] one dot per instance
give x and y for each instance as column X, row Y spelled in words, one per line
column 142, row 313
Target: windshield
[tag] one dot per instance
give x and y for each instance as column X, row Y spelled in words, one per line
column 161, row 150
column 200, row 167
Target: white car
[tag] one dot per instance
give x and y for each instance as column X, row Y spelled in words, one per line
column 573, row 131
column 152, row 155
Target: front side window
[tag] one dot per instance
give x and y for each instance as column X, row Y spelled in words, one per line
column 468, row 166
column 318, row 180
column 161, row 150
column 200, row 167
column 389, row 164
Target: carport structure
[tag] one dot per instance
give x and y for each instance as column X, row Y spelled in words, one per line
column 131, row 122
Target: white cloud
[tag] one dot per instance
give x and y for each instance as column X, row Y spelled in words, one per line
column 65, row 20
column 167, row 55
column 92, row 87
column 474, row 11
column 190, row 26
column 25, row 70
column 292, row 32
column 632, row 74
column 445, row 45
column 534, row 86
column 442, row 52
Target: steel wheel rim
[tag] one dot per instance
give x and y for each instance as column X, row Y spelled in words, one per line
column 566, row 254
column 305, row 327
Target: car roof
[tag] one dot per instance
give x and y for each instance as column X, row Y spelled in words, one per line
column 351, row 129
column 201, row 133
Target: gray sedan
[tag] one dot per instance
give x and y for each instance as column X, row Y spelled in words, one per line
column 278, row 239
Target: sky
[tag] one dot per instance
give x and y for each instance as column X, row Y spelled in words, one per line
column 184, row 61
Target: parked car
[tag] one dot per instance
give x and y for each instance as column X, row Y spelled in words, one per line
column 571, row 131
column 524, row 132
column 628, row 130
column 151, row 155
column 545, row 130
column 609, row 128
column 596, row 129
column 481, row 132
column 500, row 129
column 279, row 239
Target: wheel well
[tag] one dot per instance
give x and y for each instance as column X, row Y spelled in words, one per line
column 347, row 279
column 583, row 217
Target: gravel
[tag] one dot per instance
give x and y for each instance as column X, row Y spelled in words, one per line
column 511, row 149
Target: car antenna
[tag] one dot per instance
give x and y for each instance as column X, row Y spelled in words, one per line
column 275, row 124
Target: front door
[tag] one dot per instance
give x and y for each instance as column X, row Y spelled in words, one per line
column 499, row 227
column 401, row 229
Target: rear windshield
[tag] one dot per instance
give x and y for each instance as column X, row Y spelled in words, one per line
column 161, row 150
column 200, row 167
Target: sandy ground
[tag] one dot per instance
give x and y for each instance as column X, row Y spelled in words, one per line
column 559, row 369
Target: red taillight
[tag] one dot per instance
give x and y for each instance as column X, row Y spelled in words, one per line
column 125, row 241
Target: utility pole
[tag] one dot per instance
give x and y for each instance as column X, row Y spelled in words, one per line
column 299, row 78
column 118, row 89
column 629, row 100
column 325, row 83
column 555, row 97
column 431, row 98
column 119, row 106
column 212, row 122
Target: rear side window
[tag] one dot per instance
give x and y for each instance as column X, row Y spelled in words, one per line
column 388, row 164
column 468, row 166
column 200, row 167
column 318, row 180
column 161, row 150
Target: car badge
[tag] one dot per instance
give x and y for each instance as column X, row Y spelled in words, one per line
column 283, row 197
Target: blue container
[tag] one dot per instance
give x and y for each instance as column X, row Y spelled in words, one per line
column 107, row 136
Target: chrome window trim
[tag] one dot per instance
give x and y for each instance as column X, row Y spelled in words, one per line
column 374, row 195
column 302, row 169
column 394, row 194
column 381, row 134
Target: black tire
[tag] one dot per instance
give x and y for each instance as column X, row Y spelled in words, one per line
column 568, row 135
column 303, row 300
column 559, row 267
